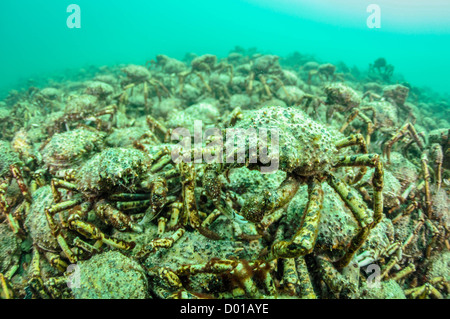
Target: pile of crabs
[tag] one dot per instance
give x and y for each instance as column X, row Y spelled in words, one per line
column 93, row 204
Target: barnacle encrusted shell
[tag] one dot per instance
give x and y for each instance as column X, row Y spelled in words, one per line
column 110, row 275
column 112, row 168
column 69, row 148
column 305, row 146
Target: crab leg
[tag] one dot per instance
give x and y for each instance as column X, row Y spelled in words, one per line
column 15, row 215
column 234, row 293
column 53, row 284
column 57, row 233
column 378, row 183
column 439, row 158
column 360, row 211
column 128, row 197
column 406, row 193
column 109, row 110
column 175, row 210
column 302, row 243
column 423, row 291
column 256, row 207
column 161, row 243
column 181, row 78
column 115, row 217
column 250, row 83
column 92, row 232
column 15, row 171
column 123, row 100
column 214, row 266
column 245, row 275
column 160, row 164
column 167, row 275
column 56, row 208
column 413, row 234
column 330, row 275
column 266, row 87
column 290, row 276
column 36, row 282
column 225, row 90
column 162, row 86
column 282, row 86
column 213, row 186
column 162, row 222
column 408, row 127
column 146, row 96
column 356, row 139
column 56, row 261
column 158, row 94
column 370, row 127
column 426, row 176
column 407, row 211
column 350, row 119
column 391, row 142
column 270, row 219
column 358, row 160
column 264, row 270
column 86, row 246
column 172, row 281
column 6, row 292
column 211, row 218
column 58, row 183
column 241, row 270
column 133, row 204
column 364, row 117
column 189, row 203
column 200, row 76
column 156, row 126
column 404, row 272
column 4, row 207
column 56, row 229
column 231, row 72
column 387, row 268
column 435, row 233
column 358, row 208
column 158, row 198
column 306, row 288
column 79, row 213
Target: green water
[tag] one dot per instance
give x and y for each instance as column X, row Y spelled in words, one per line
column 35, row 40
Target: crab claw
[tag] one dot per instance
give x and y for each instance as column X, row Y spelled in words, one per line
column 158, row 199
column 256, row 207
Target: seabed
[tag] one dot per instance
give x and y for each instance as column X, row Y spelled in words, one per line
column 93, row 204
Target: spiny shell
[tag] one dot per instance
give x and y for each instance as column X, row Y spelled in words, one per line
column 305, row 146
column 113, row 168
column 69, row 148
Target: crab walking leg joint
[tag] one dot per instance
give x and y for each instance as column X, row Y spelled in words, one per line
column 304, row 240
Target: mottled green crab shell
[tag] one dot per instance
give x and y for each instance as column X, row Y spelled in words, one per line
column 305, row 146
column 113, row 168
column 71, row 147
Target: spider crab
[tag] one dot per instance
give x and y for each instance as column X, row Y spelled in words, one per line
column 107, row 174
column 310, row 154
